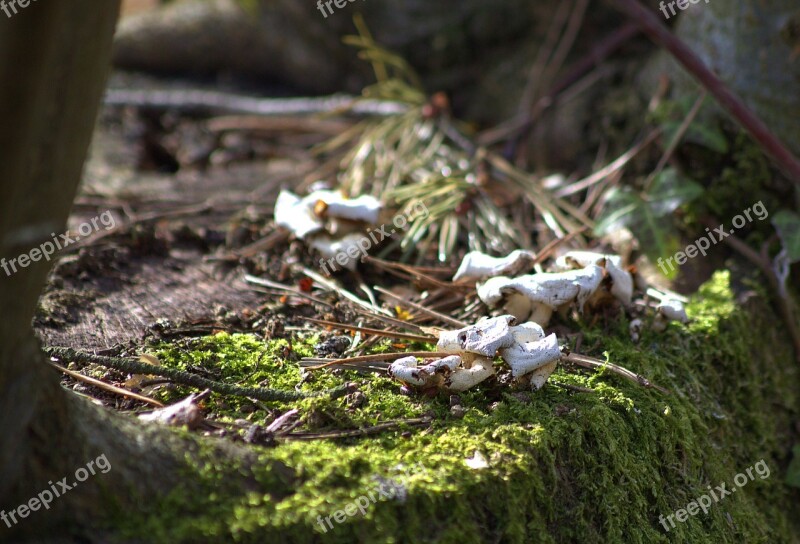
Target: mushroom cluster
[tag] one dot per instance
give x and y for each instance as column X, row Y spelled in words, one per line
column 534, row 297
column 529, row 352
column 583, row 278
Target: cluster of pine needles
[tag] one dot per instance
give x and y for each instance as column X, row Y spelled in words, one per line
column 424, row 157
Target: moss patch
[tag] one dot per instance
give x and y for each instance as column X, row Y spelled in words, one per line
column 563, row 466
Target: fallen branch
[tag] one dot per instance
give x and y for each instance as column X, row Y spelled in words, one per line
column 133, row 366
column 380, row 357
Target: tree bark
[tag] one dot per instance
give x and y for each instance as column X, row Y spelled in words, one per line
column 56, row 56
column 54, row 64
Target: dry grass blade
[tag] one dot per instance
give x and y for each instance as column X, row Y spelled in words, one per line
column 280, row 287
column 441, row 317
column 341, row 291
column 374, row 332
column 611, row 168
column 548, row 250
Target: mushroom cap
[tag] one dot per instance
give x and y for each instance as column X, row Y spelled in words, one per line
column 527, row 332
column 433, row 374
column 552, row 289
column 528, row 356
column 446, row 373
column 673, row 310
column 484, row 338
column 622, row 281
column 292, row 213
column 305, row 215
column 476, row 264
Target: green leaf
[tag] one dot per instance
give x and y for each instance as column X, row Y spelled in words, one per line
column 698, row 133
column 620, row 211
column 644, row 214
column 670, row 190
column 788, row 226
column 793, row 472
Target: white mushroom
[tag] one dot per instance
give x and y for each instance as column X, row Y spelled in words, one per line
column 526, row 357
column 622, row 286
column 524, row 347
column 292, row 213
column 345, row 250
column 484, row 338
column 477, row 265
column 669, row 310
column 635, row 329
column 534, row 297
column 430, row 375
column 305, row 215
column 444, row 373
column 464, row 378
column 539, row 376
column 673, row 310
column 364, row 208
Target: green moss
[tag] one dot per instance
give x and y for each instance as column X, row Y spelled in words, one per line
column 564, row 466
column 735, row 183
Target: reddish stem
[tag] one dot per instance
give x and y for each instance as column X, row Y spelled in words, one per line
column 659, row 33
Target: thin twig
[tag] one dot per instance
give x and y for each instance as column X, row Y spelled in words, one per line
column 341, row 291
column 279, row 286
column 554, row 244
column 414, row 273
column 611, row 168
column 228, row 103
column 375, row 332
column 676, row 139
column 105, row 386
column 519, row 125
column 380, row 357
column 596, row 364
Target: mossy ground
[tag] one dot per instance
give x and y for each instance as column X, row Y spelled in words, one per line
column 564, row 466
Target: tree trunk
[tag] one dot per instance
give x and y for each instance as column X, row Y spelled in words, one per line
column 55, row 59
